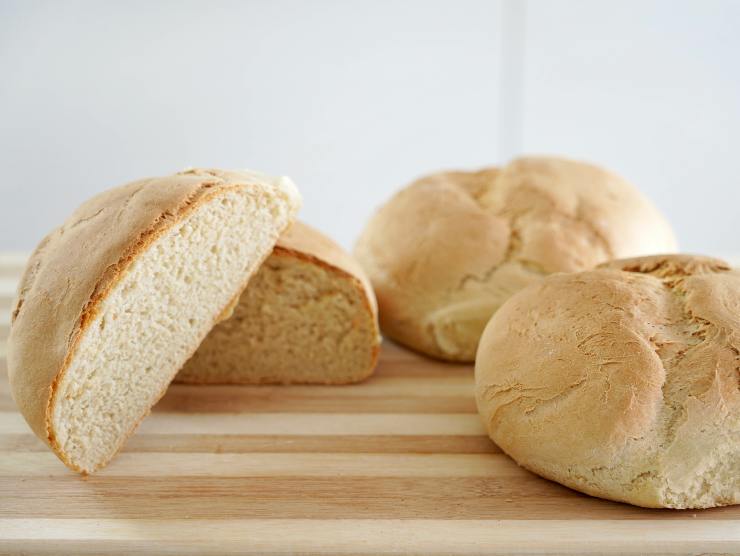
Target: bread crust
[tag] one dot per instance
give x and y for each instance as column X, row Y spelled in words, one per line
column 622, row 382
column 445, row 252
column 305, row 242
column 75, row 267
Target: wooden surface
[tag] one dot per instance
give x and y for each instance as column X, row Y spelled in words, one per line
column 399, row 464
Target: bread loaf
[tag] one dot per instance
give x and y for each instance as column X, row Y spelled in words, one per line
column 445, row 252
column 308, row 316
column 113, row 303
column 622, row 382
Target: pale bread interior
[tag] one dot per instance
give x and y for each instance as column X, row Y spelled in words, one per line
column 154, row 318
column 297, row 322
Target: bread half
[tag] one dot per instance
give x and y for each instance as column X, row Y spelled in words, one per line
column 114, row 302
column 308, row 316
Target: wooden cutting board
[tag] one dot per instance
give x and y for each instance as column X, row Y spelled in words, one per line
column 399, row 464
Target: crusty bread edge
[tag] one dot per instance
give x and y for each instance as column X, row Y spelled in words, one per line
column 362, row 286
column 101, row 291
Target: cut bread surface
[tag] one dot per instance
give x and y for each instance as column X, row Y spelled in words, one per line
column 141, row 325
column 300, row 320
column 151, row 322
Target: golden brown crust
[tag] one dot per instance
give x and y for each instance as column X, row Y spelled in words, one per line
column 417, row 248
column 445, row 252
column 308, row 243
column 622, row 382
column 304, row 242
column 76, row 266
column 671, row 265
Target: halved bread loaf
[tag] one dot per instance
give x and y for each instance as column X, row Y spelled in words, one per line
column 114, row 302
column 308, row 316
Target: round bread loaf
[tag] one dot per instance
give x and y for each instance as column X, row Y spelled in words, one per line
column 308, row 316
column 445, row 252
column 622, row 382
column 114, row 301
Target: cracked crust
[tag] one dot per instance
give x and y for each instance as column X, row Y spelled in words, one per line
column 76, row 266
column 622, row 382
column 446, row 252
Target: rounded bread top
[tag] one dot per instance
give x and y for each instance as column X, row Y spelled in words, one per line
column 622, row 382
column 445, row 252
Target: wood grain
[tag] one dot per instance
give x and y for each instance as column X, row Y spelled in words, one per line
column 399, row 464
column 11, row 266
column 4, row 323
column 505, row 496
column 286, row 443
column 275, row 465
column 292, row 423
column 354, row 536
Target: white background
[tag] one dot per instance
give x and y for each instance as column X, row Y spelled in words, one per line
column 353, row 99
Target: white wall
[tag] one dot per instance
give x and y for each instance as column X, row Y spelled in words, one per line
column 351, row 99
column 355, row 98
column 651, row 89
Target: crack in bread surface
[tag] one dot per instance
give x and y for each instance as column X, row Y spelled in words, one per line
column 691, row 331
column 687, row 342
column 528, row 270
column 531, row 218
